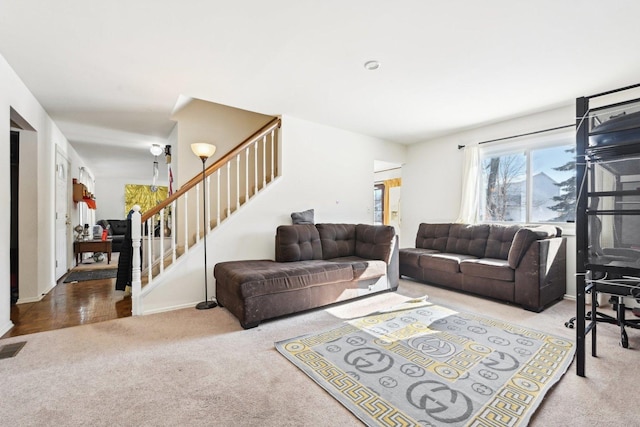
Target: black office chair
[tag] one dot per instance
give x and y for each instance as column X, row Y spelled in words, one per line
column 614, row 271
column 618, row 289
column 614, row 257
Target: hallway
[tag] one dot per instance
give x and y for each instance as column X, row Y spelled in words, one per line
column 70, row 304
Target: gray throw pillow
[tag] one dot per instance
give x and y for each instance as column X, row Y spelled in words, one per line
column 304, row 217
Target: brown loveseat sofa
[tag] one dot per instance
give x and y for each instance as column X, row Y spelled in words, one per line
column 315, row 265
column 522, row 265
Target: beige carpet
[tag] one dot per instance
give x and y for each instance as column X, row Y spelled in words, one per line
column 90, row 264
column 191, row 367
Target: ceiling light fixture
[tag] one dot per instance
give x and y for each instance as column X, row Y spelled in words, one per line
column 156, row 149
column 372, row 65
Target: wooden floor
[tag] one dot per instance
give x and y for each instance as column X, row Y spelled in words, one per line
column 70, row 304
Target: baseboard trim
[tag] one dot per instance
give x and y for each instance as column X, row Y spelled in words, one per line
column 6, row 328
column 28, row 300
column 171, row 308
column 36, row 299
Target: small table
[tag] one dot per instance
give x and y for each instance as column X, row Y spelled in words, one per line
column 81, row 246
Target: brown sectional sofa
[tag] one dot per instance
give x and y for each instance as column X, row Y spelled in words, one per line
column 315, row 265
column 522, row 265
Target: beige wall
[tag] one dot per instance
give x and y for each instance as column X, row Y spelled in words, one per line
column 203, row 121
column 220, row 125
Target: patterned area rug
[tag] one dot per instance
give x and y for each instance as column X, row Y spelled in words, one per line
column 425, row 365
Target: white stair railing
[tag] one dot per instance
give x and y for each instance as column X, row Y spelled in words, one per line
column 166, row 232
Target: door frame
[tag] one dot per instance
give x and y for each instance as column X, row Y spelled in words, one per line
column 62, row 264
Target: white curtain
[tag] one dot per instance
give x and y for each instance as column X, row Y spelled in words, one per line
column 470, row 175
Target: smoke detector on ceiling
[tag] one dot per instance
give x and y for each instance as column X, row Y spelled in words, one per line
column 372, row 65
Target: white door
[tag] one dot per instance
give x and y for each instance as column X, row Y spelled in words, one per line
column 62, row 215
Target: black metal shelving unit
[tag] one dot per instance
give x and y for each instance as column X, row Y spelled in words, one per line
column 607, row 145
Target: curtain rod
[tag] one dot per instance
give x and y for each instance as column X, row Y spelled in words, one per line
column 609, row 92
column 522, row 134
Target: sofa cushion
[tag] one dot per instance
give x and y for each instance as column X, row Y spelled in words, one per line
column 363, row 269
column 411, row 256
column 499, row 240
column 297, row 242
column 490, row 268
column 446, row 262
column 521, row 242
column 114, row 227
column 468, row 239
column 253, row 278
column 337, row 240
column 433, row 236
column 374, row 241
column 118, row 226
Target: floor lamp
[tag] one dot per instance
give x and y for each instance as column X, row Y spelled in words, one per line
column 204, row 151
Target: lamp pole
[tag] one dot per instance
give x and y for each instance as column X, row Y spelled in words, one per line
column 204, row 151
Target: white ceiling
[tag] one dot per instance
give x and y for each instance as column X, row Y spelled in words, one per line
column 111, row 71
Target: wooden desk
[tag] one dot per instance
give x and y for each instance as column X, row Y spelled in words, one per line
column 81, row 246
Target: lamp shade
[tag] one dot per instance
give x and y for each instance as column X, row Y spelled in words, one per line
column 156, row 149
column 203, row 150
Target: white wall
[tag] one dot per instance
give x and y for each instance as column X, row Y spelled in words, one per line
column 132, row 167
column 78, row 211
column 110, row 192
column 431, row 177
column 324, row 168
column 36, row 240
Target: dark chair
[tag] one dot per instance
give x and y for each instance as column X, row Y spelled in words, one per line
column 613, row 271
column 618, row 288
column 614, row 257
column 116, row 228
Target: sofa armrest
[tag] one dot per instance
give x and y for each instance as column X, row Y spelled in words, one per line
column 541, row 276
column 393, row 265
column 520, row 245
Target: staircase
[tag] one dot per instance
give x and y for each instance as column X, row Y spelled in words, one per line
column 183, row 219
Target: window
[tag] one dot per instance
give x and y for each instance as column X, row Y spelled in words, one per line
column 530, row 181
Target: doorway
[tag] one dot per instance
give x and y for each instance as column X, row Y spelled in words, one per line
column 386, row 194
column 62, row 220
column 14, row 252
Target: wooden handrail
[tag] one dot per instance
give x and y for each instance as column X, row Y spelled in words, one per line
column 266, row 129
